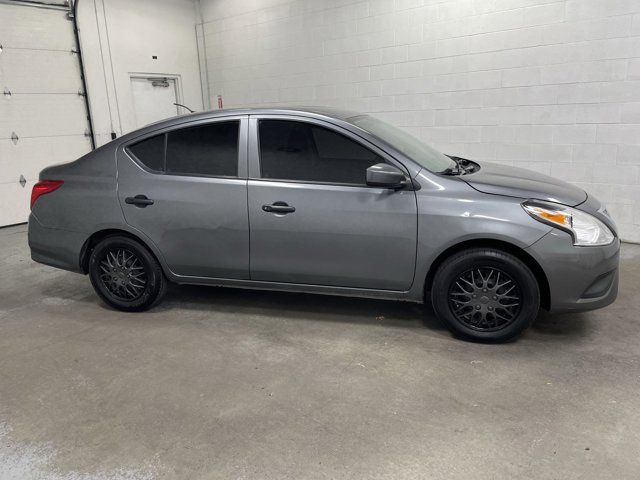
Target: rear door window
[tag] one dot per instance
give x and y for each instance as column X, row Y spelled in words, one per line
column 210, row 150
column 207, row 150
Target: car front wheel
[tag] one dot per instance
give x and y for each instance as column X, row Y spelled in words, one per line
column 485, row 294
column 125, row 274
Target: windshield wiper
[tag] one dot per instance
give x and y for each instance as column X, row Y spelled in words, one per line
column 457, row 170
column 463, row 167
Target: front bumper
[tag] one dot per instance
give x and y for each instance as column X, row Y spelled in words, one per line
column 580, row 278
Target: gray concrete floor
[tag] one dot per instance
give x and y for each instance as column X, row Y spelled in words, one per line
column 223, row 383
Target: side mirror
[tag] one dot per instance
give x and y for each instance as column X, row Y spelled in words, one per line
column 386, row 176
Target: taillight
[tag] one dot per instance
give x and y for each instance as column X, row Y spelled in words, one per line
column 44, row 187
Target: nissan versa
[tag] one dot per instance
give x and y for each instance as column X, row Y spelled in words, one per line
column 324, row 201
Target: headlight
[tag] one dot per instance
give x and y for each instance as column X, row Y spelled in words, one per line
column 585, row 229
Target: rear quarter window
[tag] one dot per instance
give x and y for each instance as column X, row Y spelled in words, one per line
column 149, row 152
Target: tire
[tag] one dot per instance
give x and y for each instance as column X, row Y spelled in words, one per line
column 485, row 294
column 125, row 275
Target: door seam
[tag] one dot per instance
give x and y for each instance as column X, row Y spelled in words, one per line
column 247, row 164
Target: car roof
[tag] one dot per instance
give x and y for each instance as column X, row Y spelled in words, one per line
column 328, row 112
column 337, row 116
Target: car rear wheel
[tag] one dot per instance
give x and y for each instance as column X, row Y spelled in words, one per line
column 485, row 294
column 125, row 274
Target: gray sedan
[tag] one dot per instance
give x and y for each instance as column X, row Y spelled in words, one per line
column 324, row 201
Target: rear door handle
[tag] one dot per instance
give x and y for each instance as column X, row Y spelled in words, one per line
column 140, row 201
column 278, row 207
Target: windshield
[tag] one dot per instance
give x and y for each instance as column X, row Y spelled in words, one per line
column 409, row 145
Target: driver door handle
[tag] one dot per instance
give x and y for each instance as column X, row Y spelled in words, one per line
column 278, row 207
column 139, row 201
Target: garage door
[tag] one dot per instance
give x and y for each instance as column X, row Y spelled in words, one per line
column 43, row 119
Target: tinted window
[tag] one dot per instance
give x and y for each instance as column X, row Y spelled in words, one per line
column 150, row 152
column 204, row 150
column 305, row 152
column 413, row 148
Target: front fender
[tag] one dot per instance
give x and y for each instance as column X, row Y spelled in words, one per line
column 454, row 213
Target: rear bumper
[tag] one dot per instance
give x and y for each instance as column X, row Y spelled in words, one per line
column 55, row 247
column 580, row 278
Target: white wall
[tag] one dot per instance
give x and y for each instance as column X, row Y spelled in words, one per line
column 551, row 85
column 118, row 38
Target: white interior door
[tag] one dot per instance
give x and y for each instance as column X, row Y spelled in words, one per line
column 39, row 102
column 153, row 99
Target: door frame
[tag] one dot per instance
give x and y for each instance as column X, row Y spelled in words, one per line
column 160, row 76
column 253, row 156
column 152, row 132
column 124, row 155
column 255, row 179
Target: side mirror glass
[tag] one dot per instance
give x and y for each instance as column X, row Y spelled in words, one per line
column 386, row 176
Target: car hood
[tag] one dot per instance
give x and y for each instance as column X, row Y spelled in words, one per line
column 519, row 182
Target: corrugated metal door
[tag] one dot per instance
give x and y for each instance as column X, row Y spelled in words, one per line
column 43, row 119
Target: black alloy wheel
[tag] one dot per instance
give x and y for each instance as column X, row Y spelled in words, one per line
column 485, row 299
column 125, row 274
column 485, row 294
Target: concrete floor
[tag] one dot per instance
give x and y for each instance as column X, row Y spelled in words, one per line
column 222, row 383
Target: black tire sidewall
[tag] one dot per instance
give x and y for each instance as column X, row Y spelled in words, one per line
column 511, row 265
column 155, row 278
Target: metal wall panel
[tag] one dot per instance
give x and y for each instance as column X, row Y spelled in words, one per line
column 40, row 73
column 35, row 28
